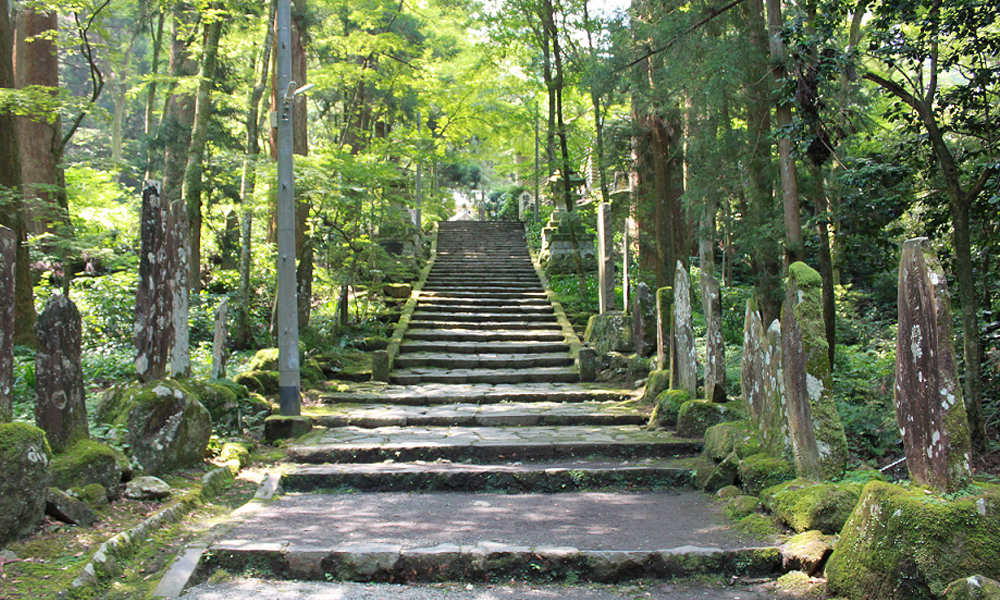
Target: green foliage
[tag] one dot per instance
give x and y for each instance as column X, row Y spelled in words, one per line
column 863, row 388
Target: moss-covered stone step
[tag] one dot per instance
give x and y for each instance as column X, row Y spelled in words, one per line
column 482, row 361
column 473, row 319
column 471, row 335
column 495, row 306
column 417, row 375
column 485, row 561
column 483, row 347
column 482, row 393
column 510, row 325
column 482, row 415
column 485, row 444
column 498, row 297
column 651, row 474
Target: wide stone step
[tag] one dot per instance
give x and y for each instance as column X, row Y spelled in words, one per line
column 506, row 414
column 435, row 394
column 481, row 361
column 483, row 347
column 489, row 319
column 469, row 335
column 418, row 375
column 516, row 305
column 512, row 478
column 486, row 444
column 503, row 322
column 485, row 288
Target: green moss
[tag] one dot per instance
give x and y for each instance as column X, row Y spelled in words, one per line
column 235, row 451
column 758, row 525
column 668, row 404
column 695, row 416
column 740, row 507
column 94, row 494
column 15, row 437
column 261, row 382
column 806, row 505
column 722, row 440
column 762, row 471
column 85, row 463
column 909, row 544
column 797, row 584
column 659, row 380
column 264, row 360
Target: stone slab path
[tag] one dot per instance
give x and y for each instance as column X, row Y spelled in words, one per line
column 485, row 458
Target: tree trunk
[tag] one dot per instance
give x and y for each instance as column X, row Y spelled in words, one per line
column 176, row 135
column 192, row 186
column 10, row 186
column 150, row 117
column 247, row 183
column 794, row 248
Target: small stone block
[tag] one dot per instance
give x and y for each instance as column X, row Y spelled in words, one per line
column 380, row 365
column 277, row 427
column 588, row 364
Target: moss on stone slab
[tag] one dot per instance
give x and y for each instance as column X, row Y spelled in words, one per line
column 278, row 427
column 722, row 440
column 24, row 479
column 668, row 404
column 658, row 382
column 762, row 471
column 261, row 382
column 695, row 416
column 88, row 462
column 975, row 587
column 740, row 507
column 909, row 544
column 805, row 505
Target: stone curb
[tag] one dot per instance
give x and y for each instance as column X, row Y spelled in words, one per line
column 567, row 328
column 484, row 561
column 105, row 563
column 411, row 303
column 181, row 572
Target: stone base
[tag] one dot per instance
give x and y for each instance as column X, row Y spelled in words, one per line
column 278, row 427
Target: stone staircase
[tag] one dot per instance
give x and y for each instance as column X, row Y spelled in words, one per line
column 485, row 417
column 483, row 315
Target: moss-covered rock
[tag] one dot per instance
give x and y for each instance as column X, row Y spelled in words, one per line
column 695, row 416
column 976, row 587
column 723, row 439
column 658, row 382
column 730, row 491
column 740, row 506
column 235, row 451
column 261, row 382
column 807, row 551
column 724, row 475
column 94, row 494
column 797, row 584
column 702, row 469
column 668, row 404
column 762, row 471
column 909, row 544
column 266, row 359
column 89, row 462
column 162, row 423
column 804, row 505
column 24, row 479
column 610, row 332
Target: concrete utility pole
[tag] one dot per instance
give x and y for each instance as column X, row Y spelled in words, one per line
column 288, row 318
column 535, row 213
column 420, row 192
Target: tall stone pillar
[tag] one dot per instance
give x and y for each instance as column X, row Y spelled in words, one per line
column 685, row 359
column 715, row 346
column 154, row 326
column 818, row 441
column 8, row 248
column 929, row 405
column 605, row 261
column 220, row 340
column 60, row 401
column 762, row 383
column 664, row 327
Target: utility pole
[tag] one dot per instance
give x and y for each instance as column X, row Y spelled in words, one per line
column 420, row 192
column 288, row 319
column 536, row 161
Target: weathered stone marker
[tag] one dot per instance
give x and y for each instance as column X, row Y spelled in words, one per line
column 380, row 365
column 179, row 280
column 664, row 324
column 762, row 382
column 60, row 401
column 8, row 247
column 220, row 340
column 154, row 328
column 588, row 363
column 929, row 405
column 685, row 361
column 818, row 441
column 715, row 347
column 605, row 264
column 644, row 320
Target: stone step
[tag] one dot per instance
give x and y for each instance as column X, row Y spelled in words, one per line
column 522, row 320
column 481, row 361
column 486, row 444
column 516, row 305
column 506, row 414
column 417, row 375
column 483, row 347
column 480, row 394
column 511, row 478
column 469, row 335
column 508, row 323
column 486, row 287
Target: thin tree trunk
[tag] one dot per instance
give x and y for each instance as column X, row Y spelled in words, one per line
column 192, row 186
column 150, row 117
column 247, row 184
column 794, row 248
